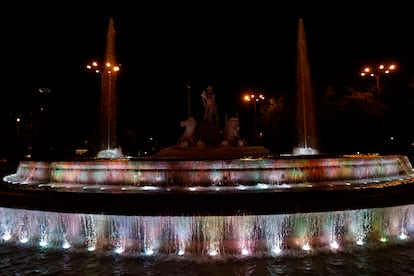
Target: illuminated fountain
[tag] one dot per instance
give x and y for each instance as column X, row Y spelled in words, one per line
column 305, row 118
column 211, row 201
column 108, row 114
column 195, row 236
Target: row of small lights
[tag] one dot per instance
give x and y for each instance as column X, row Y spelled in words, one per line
column 369, row 71
column 212, row 252
column 108, row 66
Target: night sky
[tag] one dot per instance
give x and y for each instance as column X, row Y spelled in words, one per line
column 234, row 47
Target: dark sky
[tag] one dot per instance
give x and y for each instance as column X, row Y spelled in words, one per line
column 204, row 42
column 235, row 47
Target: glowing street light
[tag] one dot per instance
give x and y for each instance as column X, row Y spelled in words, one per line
column 255, row 98
column 98, row 69
column 377, row 73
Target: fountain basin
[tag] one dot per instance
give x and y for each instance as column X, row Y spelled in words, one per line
column 224, row 186
column 294, row 171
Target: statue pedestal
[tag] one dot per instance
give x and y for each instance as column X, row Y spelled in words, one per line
column 212, row 152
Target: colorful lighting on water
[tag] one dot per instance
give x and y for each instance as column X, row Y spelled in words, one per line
column 65, row 244
column 334, row 245
column 242, row 235
column 254, row 173
column 213, row 235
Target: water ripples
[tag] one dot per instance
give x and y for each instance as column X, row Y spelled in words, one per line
column 392, row 260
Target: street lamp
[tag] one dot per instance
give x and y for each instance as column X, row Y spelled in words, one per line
column 255, row 98
column 18, row 120
column 377, row 73
column 98, row 69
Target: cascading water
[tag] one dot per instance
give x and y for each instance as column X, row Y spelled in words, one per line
column 195, row 236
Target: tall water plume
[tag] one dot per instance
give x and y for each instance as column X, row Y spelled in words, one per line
column 305, row 120
column 108, row 112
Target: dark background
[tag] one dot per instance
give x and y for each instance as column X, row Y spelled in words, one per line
column 235, row 47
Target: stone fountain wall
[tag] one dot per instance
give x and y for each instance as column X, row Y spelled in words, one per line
column 231, row 172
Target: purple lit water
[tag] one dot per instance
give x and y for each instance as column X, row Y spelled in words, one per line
column 368, row 241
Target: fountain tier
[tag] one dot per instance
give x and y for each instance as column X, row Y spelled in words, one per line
column 166, row 173
column 214, row 237
column 251, row 185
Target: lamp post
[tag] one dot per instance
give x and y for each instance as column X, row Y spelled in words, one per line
column 377, row 73
column 99, row 69
column 18, row 124
column 108, row 74
column 255, row 98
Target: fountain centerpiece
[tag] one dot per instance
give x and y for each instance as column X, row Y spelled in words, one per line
column 210, row 194
column 109, row 99
column 305, row 119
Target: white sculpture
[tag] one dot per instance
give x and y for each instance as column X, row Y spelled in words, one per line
column 231, row 133
column 188, row 138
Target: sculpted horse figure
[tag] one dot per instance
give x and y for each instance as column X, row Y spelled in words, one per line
column 188, row 138
column 231, row 133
